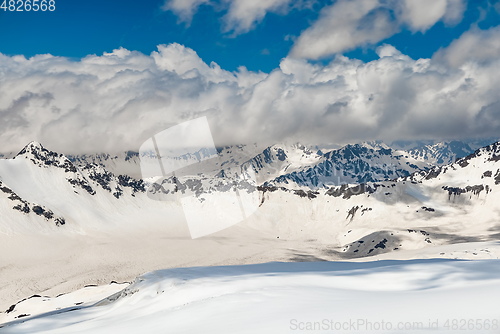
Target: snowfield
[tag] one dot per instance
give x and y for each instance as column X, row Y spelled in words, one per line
column 320, row 297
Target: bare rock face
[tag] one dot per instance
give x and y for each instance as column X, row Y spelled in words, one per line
column 86, row 177
column 28, row 208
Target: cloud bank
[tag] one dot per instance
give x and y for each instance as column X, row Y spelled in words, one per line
column 116, row 101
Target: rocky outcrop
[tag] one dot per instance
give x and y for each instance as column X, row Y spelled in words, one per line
column 27, row 208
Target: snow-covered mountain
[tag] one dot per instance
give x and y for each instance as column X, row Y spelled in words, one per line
column 441, row 153
column 44, row 186
column 126, row 163
column 295, row 165
column 268, row 162
column 359, row 163
column 80, row 210
column 446, row 204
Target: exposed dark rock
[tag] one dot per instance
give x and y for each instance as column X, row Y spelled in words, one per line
column 10, row 309
column 135, row 185
column 43, row 212
column 488, row 173
column 337, row 191
column 60, row 221
column 476, row 190
column 42, row 157
column 494, row 157
column 347, row 191
column 309, row 194
column 365, row 210
column 265, row 188
column 358, row 190
column 82, row 183
column 103, row 178
column 457, row 191
column 23, row 207
column 381, row 244
column 433, row 173
column 281, row 155
column 300, row 193
column 118, row 192
column 352, row 212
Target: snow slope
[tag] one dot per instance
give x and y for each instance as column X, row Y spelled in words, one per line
column 36, row 304
column 69, row 198
column 388, row 296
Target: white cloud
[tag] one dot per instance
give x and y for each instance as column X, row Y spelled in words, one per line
column 184, row 9
column 454, row 11
column 474, row 45
column 241, row 15
column 348, row 24
column 342, row 26
column 387, row 50
column 423, row 14
column 186, row 63
column 118, row 100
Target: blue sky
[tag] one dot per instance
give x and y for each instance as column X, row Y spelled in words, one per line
column 79, row 28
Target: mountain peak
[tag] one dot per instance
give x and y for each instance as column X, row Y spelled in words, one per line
column 490, row 153
column 33, row 147
column 40, row 156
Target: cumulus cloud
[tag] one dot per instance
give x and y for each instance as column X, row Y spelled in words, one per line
column 348, row 24
column 474, row 45
column 116, row 101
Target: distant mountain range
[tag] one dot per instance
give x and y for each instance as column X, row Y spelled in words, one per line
column 302, row 166
column 383, row 194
